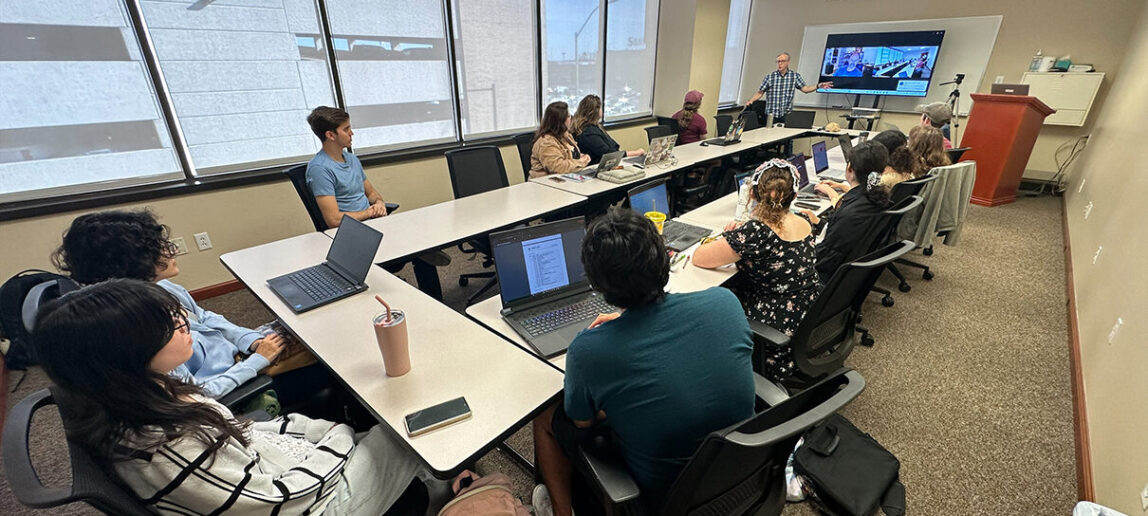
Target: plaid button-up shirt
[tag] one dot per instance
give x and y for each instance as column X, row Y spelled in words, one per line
column 778, row 91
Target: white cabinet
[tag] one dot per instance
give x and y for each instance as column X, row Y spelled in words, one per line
column 1070, row 94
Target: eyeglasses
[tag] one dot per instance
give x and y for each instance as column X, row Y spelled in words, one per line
column 182, row 326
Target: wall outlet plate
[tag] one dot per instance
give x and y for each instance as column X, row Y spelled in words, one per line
column 1144, row 498
column 180, row 245
column 202, row 241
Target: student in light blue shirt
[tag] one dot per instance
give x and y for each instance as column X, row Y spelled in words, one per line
column 335, row 175
column 133, row 245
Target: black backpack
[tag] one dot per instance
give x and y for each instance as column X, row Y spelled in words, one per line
column 20, row 299
column 852, row 474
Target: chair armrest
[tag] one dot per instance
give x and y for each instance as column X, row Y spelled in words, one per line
column 246, row 392
column 767, row 391
column 607, row 470
column 762, row 331
column 21, row 474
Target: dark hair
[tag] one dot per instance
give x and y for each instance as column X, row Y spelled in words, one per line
column 114, row 244
column 554, row 121
column 773, row 192
column 865, row 159
column 625, row 258
column 587, row 114
column 325, row 118
column 905, row 162
column 891, row 139
column 97, row 344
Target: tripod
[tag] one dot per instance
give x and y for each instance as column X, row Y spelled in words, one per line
column 954, row 103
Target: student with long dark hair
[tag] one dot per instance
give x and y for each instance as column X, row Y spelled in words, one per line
column 555, row 151
column 111, row 347
column 592, row 138
column 855, row 209
column 691, row 125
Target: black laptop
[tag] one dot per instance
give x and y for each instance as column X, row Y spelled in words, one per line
column 800, row 119
column 343, row 274
column 732, row 135
column 546, row 297
column 653, row 196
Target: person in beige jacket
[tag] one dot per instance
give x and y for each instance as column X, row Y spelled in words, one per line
column 555, row 151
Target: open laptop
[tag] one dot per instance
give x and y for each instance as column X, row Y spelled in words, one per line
column 546, row 297
column 800, row 119
column 821, row 163
column 343, row 274
column 804, row 186
column 660, row 149
column 608, row 161
column 1009, row 89
column 654, row 196
column 732, row 135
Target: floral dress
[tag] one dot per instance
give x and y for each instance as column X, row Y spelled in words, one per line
column 776, row 282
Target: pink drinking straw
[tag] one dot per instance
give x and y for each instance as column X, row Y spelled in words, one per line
column 385, row 305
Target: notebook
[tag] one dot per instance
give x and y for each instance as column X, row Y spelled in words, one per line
column 654, row 196
column 343, row 274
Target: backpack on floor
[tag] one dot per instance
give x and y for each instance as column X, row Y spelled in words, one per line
column 851, row 473
column 20, row 300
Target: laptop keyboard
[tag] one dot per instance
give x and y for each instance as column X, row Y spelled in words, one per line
column 551, row 320
column 673, row 230
column 321, row 282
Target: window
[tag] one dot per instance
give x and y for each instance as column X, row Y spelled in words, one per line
column 731, row 66
column 77, row 106
column 572, row 50
column 631, row 43
column 242, row 78
column 497, row 68
column 392, row 63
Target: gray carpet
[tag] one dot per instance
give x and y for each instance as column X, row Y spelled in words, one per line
column 968, row 383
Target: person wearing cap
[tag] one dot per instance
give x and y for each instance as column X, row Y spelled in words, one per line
column 691, row 125
column 937, row 114
column 778, row 87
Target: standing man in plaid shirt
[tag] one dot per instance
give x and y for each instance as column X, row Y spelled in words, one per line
column 778, row 86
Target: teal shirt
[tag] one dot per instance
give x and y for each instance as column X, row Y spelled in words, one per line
column 343, row 180
column 666, row 374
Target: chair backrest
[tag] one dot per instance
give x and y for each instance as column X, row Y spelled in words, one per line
column 751, row 120
column 90, row 484
column 741, row 469
column 657, row 131
column 474, row 170
column 825, row 336
column 955, row 154
column 910, row 187
column 887, row 233
column 668, row 121
column 298, row 176
column 525, row 143
column 722, row 123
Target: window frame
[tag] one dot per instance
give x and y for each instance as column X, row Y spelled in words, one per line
column 744, row 52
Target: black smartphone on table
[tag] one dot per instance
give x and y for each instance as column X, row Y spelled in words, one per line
column 438, row 416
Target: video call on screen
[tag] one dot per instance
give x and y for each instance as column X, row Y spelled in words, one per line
column 540, row 264
column 883, row 63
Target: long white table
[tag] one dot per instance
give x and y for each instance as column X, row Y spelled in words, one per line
column 413, row 232
column 451, row 356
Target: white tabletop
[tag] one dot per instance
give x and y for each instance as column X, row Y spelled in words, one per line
column 451, row 356
column 408, row 233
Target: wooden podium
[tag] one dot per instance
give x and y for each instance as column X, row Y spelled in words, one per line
column 1001, row 132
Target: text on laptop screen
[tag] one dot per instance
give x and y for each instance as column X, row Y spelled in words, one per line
column 820, row 157
column 651, row 199
column 539, row 262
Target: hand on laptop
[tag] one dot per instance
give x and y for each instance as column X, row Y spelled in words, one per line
column 635, row 152
column 602, row 318
column 584, row 159
column 835, row 184
column 812, row 216
column 828, row 191
column 269, row 346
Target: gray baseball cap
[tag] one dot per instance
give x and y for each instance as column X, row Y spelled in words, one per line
column 938, row 112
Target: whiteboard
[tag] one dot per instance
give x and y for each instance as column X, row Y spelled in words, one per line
column 966, row 49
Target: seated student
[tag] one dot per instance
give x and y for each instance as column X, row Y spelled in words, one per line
column 936, row 115
column 554, row 150
column 854, row 209
column 133, row 245
column 180, row 451
column 592, row 138
column 903, row 166
column 777, row 279
column 662, row 374
column 927, row 143
column 691, row 125
column 891, row 139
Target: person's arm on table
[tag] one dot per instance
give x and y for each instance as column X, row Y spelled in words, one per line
column 375, row 198
column 333, row 216
column 715, row 254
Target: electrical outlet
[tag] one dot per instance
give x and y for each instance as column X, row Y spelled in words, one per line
column 1097, row 255
column 180, row 245
column 204, row 242
column 1144, row 498
column 1115, row 330
column 999, row 79
column 1087, row 211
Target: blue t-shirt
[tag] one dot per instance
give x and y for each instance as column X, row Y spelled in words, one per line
column 326, row 176
column 666, row 374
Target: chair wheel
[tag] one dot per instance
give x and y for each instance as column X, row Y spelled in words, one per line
column 927, row 275
column 928, row 251
column 887, row 301
column 463, row 281
column 904, row 287
column 867, row 340
column 857, row 320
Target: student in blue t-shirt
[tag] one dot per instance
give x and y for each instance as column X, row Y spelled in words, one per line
column 661, row 374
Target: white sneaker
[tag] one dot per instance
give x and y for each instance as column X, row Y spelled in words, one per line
column 540, row 499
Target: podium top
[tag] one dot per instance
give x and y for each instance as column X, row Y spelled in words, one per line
column 1034, row 102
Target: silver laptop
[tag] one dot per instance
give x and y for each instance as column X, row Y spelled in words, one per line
column 654, row 196
column 343, row 274
column 660, row 149
column 1009, row 89
column 608, row 161
column 546, row 297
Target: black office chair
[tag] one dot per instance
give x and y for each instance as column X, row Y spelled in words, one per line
column 887, row 234
column 669, row 121
column 739, row 470
column 474, row 170
column 298, row 176
column 722, row 123
column 657, row 131
column 751, row 121
column 900, row 191
column 825, row 337
column 525, row 144
column 956, row 153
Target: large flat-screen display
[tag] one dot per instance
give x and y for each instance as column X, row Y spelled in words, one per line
column 881, row 63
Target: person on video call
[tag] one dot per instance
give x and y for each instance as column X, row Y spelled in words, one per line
column 853, row 66
column 778, row 87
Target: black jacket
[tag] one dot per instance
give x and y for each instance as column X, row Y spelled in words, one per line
column 595, row 142
column 847, row 226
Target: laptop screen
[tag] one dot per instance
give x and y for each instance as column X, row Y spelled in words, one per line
column 353, row 249
column 820, row 157
column 846, row 145
column 539, row 260
column 650, row 197
column 799, row 162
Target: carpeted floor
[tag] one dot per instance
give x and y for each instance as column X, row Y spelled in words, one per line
column 968, row 383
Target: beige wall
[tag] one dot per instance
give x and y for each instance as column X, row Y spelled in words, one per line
column 709, row 50
column 1092, row 32
column 1113, row 177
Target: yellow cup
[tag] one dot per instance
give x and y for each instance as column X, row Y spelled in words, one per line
column 658, row 218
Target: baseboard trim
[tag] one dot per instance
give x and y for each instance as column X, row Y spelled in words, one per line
column 1084, row 484
column 218, row 289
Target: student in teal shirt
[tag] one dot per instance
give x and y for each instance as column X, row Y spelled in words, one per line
column 661, row 374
